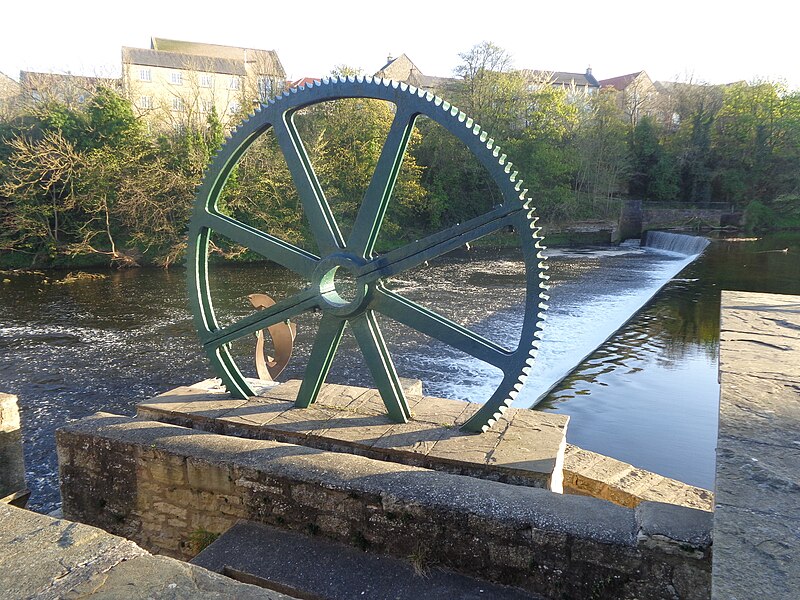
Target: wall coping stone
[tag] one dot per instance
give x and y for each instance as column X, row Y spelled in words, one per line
column 757, row 514
column 579, row 516
column 46, row 558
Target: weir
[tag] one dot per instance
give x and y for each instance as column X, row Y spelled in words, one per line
column 688, row 245
column 586, row 312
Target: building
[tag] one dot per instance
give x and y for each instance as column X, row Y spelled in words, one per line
column 65, row 88
column 637, row 95
column 175, row 83
column 584, row 83
column 403, row 69
column 9, row 92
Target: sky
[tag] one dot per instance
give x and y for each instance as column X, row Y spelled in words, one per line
column 679, row 40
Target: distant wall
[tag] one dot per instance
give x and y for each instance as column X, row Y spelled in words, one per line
column 159, row 484
column 682, row 218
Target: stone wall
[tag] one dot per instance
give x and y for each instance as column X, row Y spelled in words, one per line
column 682, row 218
column 160, row 484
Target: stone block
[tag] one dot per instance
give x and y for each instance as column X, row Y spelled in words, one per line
column 767, row 410
column 755, row 555
column 412, row 437
column 534, row 444
column 439, row 411
column 675, row 523
column 751, row 475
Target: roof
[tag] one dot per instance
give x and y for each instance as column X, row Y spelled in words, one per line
column 302, row 82
column 267, row 61
column 563, row 78
column 178, row 60
column 403, row 69
column 621, row 82
column 33, row 79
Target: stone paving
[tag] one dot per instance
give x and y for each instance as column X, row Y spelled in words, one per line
column 49, row 559
column 757, row 515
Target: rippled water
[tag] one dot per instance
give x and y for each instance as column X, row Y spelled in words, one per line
column 648, row 396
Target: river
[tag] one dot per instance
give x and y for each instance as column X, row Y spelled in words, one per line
column 647, row 396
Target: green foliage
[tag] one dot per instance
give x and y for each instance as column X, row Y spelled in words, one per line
column 759, row 217
column 93, row 183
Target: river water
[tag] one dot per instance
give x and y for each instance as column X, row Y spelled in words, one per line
column 647, row 396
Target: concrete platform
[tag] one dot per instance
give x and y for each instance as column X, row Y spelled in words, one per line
column 313, row 567
column 524, row 448
column 757, row 517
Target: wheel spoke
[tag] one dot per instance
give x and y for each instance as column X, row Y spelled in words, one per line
column 280, row 311
column 320, row 218
column 440, row 328
column 327, row 341
column 412, row 255
column 376, row 354
column 268, row 246
column 373, row 207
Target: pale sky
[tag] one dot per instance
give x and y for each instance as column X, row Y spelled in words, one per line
column 714, row 42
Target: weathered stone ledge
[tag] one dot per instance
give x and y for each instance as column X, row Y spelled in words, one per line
column 757, row 513
column 48, row 559
column 156, row 483
column 592, row 474
column 525, row 447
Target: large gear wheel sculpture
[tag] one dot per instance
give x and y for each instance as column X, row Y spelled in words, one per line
column 355, row 255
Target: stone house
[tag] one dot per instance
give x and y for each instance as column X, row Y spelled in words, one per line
column 176, row 83
column 637, row 95
column 403, row 69
column 68, row 89
column 9, row 92
column 576, row 83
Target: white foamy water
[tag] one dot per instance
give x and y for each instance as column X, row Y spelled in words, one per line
column 583, row 312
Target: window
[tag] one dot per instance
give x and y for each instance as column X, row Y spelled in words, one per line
column 177, row 104
column 206, row 106
column 236, row 83
column 146, row 102
column 206, row 81
column 233, row 107
column 264, row 88
column 144, row 75
column 176, row 78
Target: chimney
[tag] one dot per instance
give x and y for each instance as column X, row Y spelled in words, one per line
column 389, row 58
column 588, row 70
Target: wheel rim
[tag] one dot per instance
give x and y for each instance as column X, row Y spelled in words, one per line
column 354, row 257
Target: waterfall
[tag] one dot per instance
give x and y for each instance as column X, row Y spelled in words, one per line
column 688, row 245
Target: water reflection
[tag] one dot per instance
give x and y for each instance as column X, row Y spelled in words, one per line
column 650, row 396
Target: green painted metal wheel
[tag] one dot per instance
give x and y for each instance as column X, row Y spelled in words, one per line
column 354, row 257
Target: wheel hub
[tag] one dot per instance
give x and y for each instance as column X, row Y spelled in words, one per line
column 340, row 291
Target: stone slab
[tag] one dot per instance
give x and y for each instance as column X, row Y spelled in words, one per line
column 757, row 517
column 46, row 558
column 677, row 523
column 313, row 567
column 593, row 474
column 757, row 476
column 748, row 409
column 353, row 419
column 755, row 555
